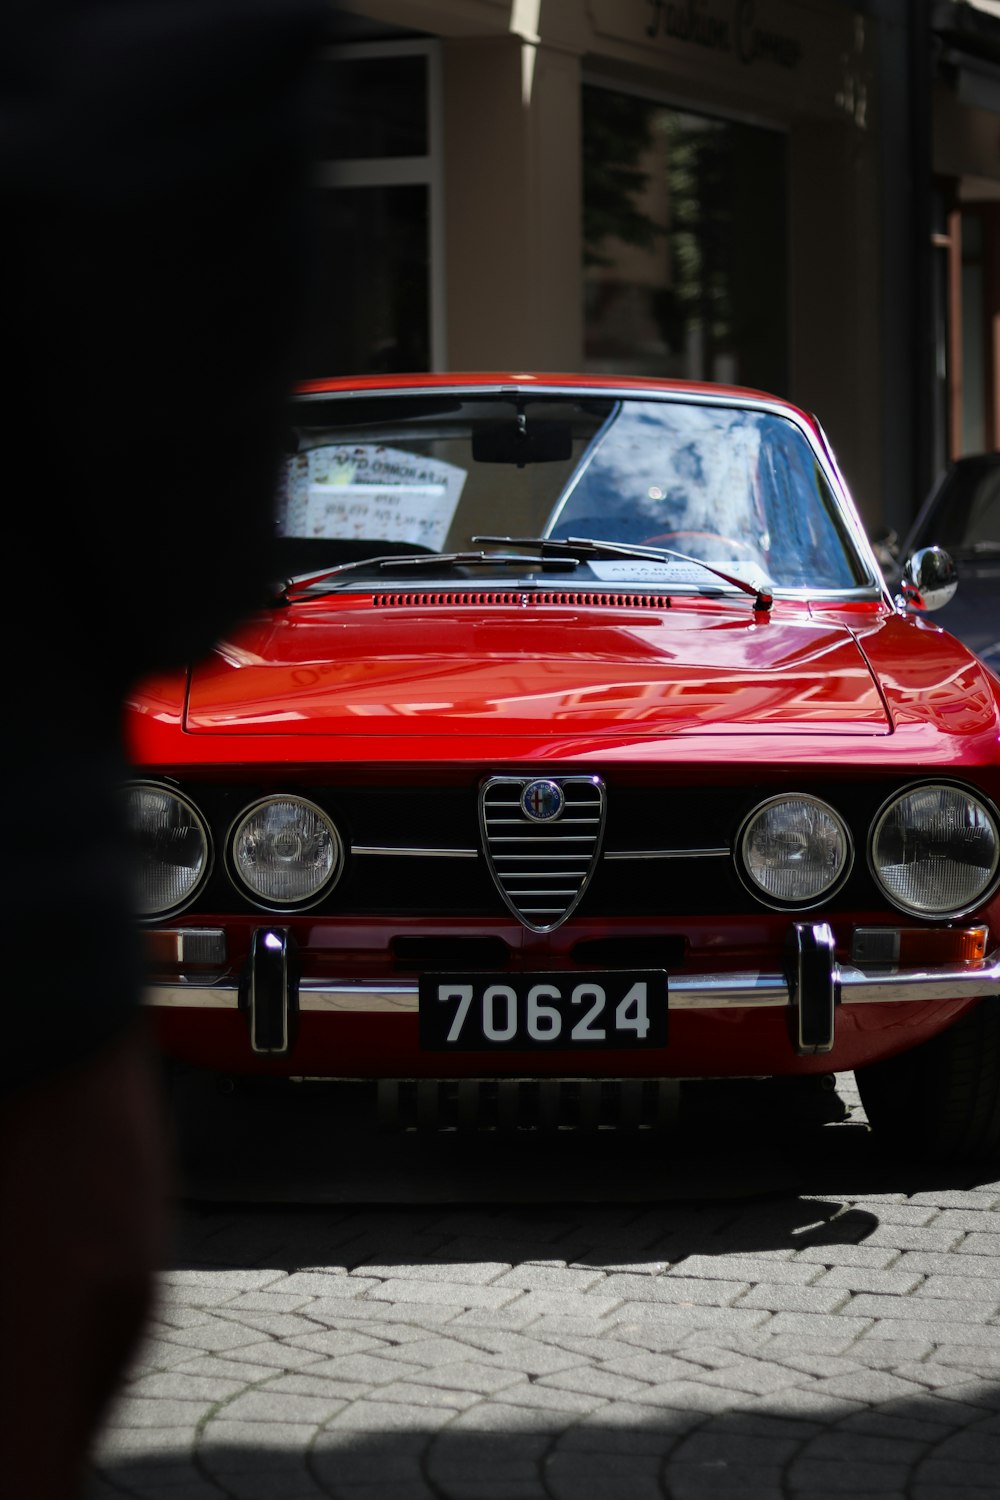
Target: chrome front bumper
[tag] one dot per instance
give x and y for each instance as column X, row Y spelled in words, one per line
column 811, row 987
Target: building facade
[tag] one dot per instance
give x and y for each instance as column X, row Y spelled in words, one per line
column 798, row 195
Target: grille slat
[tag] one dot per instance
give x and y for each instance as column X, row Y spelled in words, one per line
column 500, row 822
column 537, row 849
column 571, row 891
column 567, row 839
column 528, row 855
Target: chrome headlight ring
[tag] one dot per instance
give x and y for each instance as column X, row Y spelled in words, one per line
column 284, row 853
column 172, row 848
column 914, row 857
column 811, row 844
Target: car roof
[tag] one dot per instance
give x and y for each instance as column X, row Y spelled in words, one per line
column 541, row 380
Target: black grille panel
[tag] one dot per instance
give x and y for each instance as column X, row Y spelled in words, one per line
column 411, row 822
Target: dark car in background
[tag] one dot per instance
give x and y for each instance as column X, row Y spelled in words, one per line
column 962, row 516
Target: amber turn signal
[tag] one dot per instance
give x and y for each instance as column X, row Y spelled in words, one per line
column 918, row 946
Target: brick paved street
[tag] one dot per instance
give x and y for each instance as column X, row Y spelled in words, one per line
column 775, row 1311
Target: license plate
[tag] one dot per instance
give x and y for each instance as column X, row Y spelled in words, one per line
column 535, row 1012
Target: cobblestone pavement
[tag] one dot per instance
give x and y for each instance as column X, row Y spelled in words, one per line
column 790, row 1315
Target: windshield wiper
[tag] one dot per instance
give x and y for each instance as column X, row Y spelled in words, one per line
column 304, row 581
column 582, row 548
column 556, row 553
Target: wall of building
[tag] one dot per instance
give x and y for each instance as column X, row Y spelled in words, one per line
column 512, row 171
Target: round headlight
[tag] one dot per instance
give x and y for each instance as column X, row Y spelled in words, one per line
column 171, row 853
column 794, row 850
column 935, row 850
column 286, row 851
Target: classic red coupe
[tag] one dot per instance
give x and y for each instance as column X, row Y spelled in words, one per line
column 581, row 749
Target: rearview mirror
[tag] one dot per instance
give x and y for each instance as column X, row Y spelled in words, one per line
column 519, row 443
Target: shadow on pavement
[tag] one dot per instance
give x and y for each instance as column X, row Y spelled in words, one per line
column 695, row 1439
column 615, row 1394
column 321, row 1144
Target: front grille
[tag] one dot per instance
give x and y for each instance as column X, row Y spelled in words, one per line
column 542, row 864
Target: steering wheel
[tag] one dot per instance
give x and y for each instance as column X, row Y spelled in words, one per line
column 667, row 537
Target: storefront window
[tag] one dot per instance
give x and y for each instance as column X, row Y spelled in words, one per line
column 376, row 303
column 685, row 254
column 378, row 248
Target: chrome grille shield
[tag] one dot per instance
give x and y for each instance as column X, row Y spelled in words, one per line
column 541, row 838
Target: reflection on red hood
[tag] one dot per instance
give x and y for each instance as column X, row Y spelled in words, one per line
column 339, row 667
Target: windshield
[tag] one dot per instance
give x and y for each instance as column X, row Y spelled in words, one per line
column 736, row 486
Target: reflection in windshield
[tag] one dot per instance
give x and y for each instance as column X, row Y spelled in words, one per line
column 723, row 485
column 730, row 485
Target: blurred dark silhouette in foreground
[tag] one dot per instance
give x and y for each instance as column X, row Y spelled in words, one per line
column 154, row 162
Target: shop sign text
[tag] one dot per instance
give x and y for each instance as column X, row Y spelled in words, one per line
column 737, row 32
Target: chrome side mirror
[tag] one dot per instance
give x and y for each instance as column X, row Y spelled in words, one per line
column 929, row 581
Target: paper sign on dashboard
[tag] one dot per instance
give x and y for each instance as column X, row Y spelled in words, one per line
column 368, row 492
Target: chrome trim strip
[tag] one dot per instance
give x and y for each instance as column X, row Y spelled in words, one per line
column 389, row 852
column 748, row 990
column 419, row 853
column 666, row 853
column 189, row 995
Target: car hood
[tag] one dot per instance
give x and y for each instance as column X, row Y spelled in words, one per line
column 348, row 668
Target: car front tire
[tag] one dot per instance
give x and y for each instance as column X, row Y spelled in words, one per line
column 940, row 1102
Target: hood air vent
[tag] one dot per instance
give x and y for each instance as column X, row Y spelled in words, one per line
column 541, row 837
column 519, row 599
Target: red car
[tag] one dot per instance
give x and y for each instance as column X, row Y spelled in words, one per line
column 580, row 750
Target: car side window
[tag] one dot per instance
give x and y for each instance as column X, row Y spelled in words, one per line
column 983, row 523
